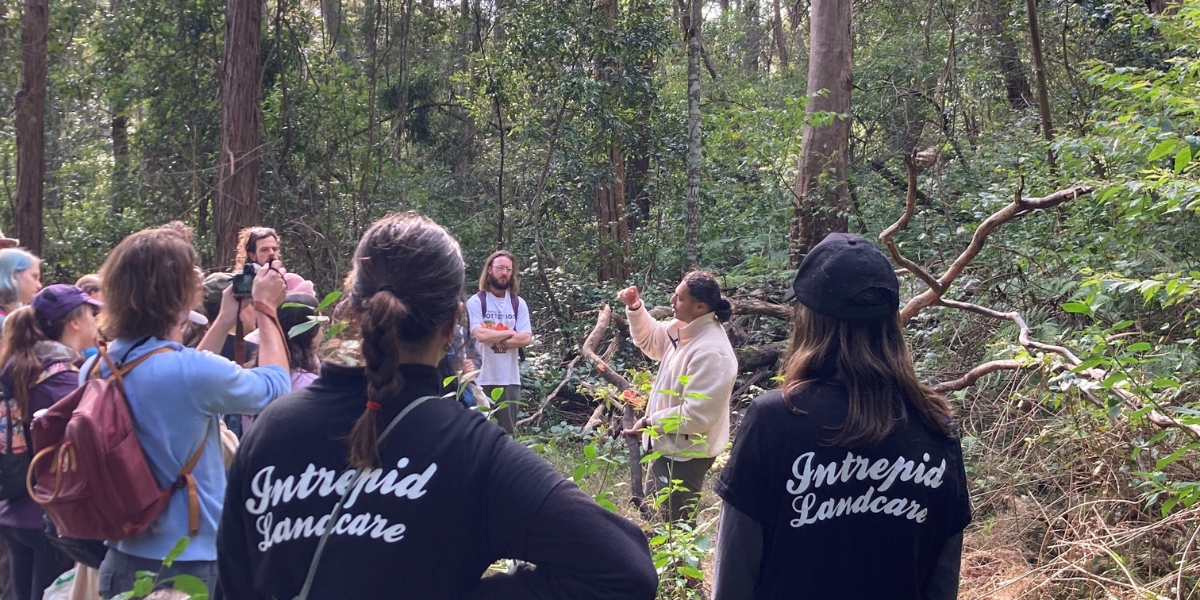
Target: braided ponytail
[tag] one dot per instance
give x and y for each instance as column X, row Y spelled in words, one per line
column 381, row 317
column 406, row 285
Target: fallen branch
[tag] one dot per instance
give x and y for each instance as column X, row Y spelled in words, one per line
column 1130, row 399
column 536, row 418
column 933, row 296
column 628, row 416
column 751, row 358
column 749, row 306
column 978, row 373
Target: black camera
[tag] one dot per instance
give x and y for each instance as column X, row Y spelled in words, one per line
column 243, row 283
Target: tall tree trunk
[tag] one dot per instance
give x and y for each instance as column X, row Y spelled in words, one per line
column 31, row 125
column 1035, row 37
column 781, row 40
column 1016, row 83
column 331, row 17
column 612, row 225
column 691, row 229
column 237, row 173
column 821, row 190
column 754, row 36
column 119, row 107
column 610, row 218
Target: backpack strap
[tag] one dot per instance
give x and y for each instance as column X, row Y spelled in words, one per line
column 333, row 516
column 187, row 481
column 123, row 370
column 516, row 305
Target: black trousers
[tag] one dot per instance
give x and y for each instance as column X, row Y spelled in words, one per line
column 35, row 563
column 681, row 504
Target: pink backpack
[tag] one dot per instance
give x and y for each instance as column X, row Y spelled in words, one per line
column 91, row 475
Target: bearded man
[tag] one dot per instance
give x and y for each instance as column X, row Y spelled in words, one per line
column 499, row 322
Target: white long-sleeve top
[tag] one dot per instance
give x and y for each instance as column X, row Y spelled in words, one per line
column 701, row 351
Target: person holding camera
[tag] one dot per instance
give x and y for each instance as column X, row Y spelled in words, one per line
column 176, row 394
column 257, row 245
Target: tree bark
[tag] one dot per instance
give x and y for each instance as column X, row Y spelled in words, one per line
column 691, row 235
column 31, row 125
column 781, row 45
column 821, row 190
column 1016, row 82
column 754, row 36
column 612, row 225
column 1035, row 38
column 237, row 185
column 119, row 107
column 611, row 222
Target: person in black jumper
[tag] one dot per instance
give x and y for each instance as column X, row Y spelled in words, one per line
column 445, row 493
column 848, row 482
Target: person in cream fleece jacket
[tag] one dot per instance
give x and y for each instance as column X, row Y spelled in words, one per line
column 690, row 421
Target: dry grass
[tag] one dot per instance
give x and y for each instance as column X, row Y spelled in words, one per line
column 1056, row 513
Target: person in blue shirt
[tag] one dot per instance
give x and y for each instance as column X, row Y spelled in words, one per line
column 175, row 396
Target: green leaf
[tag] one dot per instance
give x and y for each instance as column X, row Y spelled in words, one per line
column 300, row 328
column 1113, row 379
column 1162, row 149
column 180, row 545
column 337, row 328
column 142, row 587
column 1077, row 308
column 1138, row 347
column 328, row 300
column 690, row 571
column 608, row 504
column 1183, row 158
column 192, row 586
column 590, row 451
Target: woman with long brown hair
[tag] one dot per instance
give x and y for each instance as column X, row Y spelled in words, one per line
column 370, row 483
column 42, row 346
column 848, row 482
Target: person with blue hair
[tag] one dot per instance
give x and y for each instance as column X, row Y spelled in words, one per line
column 20, row 280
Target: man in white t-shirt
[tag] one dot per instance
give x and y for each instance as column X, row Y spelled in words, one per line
column 499, row 322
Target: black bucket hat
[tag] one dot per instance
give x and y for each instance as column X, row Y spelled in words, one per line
column 840, row 268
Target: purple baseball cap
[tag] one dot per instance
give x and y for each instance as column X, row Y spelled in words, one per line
column 57, row 301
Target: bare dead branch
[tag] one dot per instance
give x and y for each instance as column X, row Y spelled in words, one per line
column 536, row 418
column 887, row 237
column 1017, row 208
column 750, row 306
column 976, row 374
column 758, row 375
column 1130, row 399
column 594, row 420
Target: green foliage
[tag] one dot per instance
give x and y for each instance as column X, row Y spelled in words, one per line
column 146, row 582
